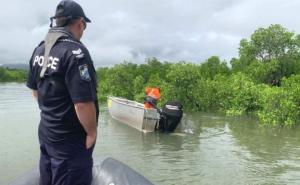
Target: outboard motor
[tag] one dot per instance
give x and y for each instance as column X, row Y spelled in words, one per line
column 170, row 116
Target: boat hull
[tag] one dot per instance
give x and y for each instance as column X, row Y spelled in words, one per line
column 133, row 114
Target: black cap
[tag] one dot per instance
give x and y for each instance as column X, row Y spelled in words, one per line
column 70, row 9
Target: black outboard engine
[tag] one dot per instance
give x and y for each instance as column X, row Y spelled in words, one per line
column 170, row 116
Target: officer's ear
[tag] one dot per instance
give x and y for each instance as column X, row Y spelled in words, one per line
column 81, row 23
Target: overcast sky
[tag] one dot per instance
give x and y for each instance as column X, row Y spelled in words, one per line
column 171, row 30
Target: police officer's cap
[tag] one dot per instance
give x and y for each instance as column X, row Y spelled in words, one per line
column 70, row 9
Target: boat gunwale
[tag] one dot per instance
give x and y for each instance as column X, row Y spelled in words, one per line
column 130, row 102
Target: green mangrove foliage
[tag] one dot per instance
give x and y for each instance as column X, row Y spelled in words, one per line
column 12, row 75
column 264, row 80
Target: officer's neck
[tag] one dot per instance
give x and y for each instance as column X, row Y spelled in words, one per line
column 76, row 33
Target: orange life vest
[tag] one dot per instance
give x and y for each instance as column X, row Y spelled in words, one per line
column 152, row 92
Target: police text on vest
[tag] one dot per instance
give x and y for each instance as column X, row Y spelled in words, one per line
column 52, row 61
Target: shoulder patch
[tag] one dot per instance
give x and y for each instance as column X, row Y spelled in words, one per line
column 84, row 72
column 78, row 53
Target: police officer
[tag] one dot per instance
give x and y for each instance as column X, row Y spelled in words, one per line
column 63, row 80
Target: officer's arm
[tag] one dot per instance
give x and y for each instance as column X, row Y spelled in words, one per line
column 34, row 94
column 86, row 113
column 81, row 87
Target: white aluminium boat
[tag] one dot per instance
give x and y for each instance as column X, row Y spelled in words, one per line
column 133, row 114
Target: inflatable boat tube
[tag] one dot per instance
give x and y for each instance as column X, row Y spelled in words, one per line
column 105, row 172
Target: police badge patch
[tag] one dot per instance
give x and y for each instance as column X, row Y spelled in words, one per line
column 84, row 72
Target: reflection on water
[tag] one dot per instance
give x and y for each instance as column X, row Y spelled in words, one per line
column 206, row 149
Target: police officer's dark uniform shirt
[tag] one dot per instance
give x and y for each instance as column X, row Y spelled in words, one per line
column 70, row 78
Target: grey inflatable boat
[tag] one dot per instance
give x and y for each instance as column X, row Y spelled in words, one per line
column 106, row 171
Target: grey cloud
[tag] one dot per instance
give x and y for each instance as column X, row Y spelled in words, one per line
column 133, row 30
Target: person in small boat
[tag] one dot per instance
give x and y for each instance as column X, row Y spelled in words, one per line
column 152, row 96
column 63, row 80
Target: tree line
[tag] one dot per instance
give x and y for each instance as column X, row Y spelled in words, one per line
column 264, row 80
column 12, row 75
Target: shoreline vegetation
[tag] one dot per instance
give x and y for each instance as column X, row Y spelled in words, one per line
column 263, row 81
column 12, row 75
